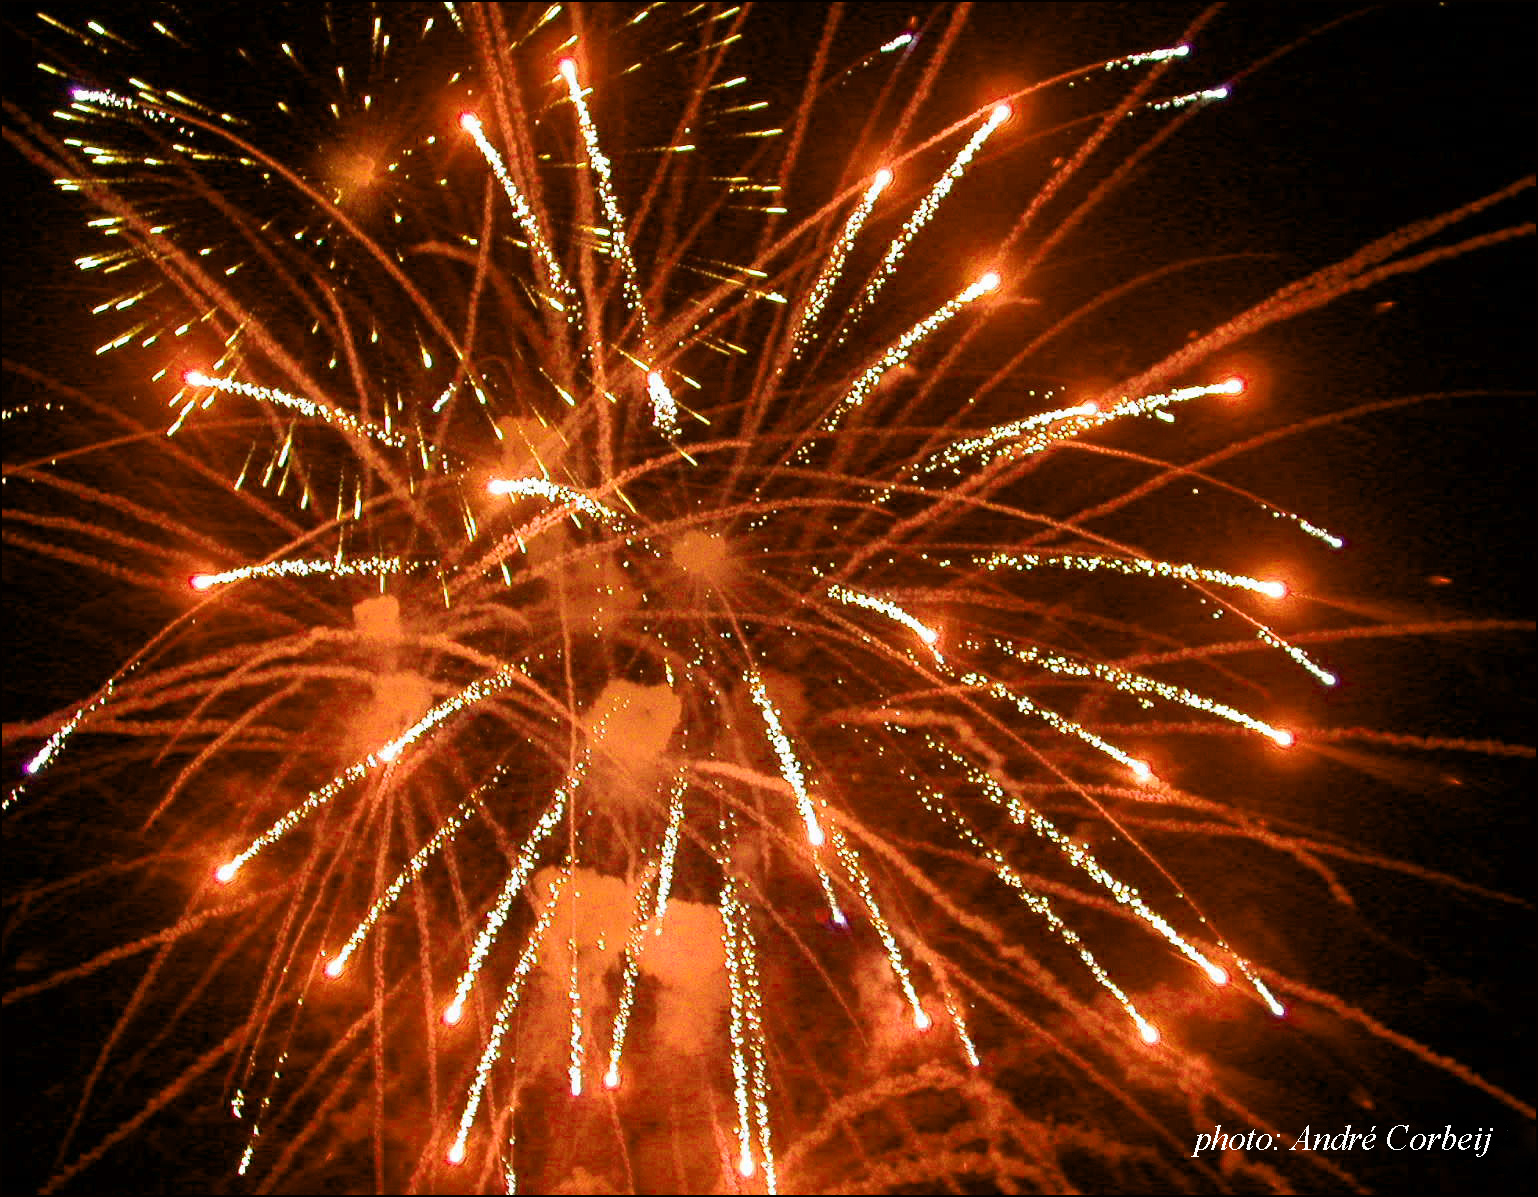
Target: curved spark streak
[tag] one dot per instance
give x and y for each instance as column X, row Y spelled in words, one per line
column 926, row 209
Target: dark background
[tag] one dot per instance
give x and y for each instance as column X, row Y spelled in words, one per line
column 1397, row 114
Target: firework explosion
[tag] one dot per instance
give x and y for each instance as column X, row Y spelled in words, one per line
column 624, row 643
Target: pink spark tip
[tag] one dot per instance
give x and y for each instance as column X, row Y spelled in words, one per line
column 225, row 873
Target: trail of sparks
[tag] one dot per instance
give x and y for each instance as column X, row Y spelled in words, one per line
column 898, row 352
column 1133, row 683
column 833, row 266
column 1081, row 858
column 565, row 496
column 342, row 420
column 316, row 799
column 524, row 214
column 795, row 778
column 523, row 868
column 1089, row 563
column 500, row 1022
column 446, row 832
column 926, row 209
column 664, row 407
column 310, row 568
column 1039, row 906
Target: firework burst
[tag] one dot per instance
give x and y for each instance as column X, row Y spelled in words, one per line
column 622, row 635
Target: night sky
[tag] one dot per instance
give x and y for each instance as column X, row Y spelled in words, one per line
column 1389, row 116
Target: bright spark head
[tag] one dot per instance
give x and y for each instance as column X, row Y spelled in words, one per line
column 1150, row 1033
column 469, row 122
column 201, row 581
column 568, row 69
column 225, row 873
column 989, row 281
column 883, row 177
column 922, row 1021
column 1141, row 771
column 1231, row 386
column 1001, row 112
column 451, row 1016
column 1283, row 738
column 1274, row 589
column 1217, row 975
column 611, row 1079
column 457, row 1153
column 745, row 1165
column 334, row 966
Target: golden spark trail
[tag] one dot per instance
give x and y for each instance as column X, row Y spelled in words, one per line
column 924, row 213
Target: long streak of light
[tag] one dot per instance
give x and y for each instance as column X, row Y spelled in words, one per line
column 927, row 207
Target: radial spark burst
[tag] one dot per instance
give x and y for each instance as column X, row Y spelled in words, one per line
column 641, row 624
